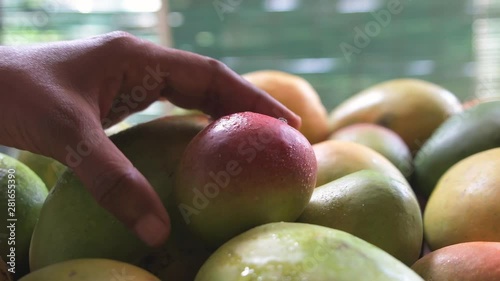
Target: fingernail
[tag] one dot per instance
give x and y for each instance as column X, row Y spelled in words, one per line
column 152, row 230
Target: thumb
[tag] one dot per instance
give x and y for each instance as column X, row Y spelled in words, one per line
column 120, row 188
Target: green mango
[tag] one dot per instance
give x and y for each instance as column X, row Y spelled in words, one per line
column 72, row 225
column 90, row 270
column 382, row 140
column 472, row 131
column 48, row 169
column 22, row 194
column 374, row 207
column 298, row 251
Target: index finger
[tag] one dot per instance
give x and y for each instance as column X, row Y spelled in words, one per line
column 198, row 82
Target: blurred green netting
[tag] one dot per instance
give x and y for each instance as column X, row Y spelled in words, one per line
column 430, row 40
column 453, row 43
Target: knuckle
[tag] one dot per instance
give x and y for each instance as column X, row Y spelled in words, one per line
column 217, row 66
column 119, row 36
column 219, row 73
column 120, row 40
column 108, row 185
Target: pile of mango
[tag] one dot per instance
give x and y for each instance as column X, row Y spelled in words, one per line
column 406, row 187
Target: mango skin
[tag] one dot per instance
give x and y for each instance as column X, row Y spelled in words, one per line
column 72, row 225
column 338, row 158
column 380, row 139
column 298, row 95
column 471, row 261
column 243, row 170
column 90, row 270
column 410, row 107
column 475, row 130
column 478, row 100
column 374, row 207
column 297, row 251
column 30, row 193
column 465, row 205
column 48, row 169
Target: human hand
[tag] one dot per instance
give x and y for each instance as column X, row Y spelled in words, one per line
column 57, row 97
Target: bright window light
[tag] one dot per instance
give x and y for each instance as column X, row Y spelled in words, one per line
column 358, row 6
column 281, row 5
column 141, row 6
column 311, row 65
column 88, row 6
column 420, row 67
column 83, row 6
